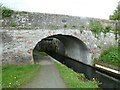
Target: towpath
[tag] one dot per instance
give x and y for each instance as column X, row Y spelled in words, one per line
column 48, row 76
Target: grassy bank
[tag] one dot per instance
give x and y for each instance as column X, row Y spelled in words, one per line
column 0, row 77
column 16, row 75
column 41, row 53
column 110, row 56
column 75, row 80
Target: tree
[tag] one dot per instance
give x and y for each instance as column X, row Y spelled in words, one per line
column 116, row 14
column 0, row 10
column 6, row 12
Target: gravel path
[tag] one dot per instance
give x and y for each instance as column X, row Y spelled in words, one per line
column 48, row 77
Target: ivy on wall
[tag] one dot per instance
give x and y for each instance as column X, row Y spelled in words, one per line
column 97, row 27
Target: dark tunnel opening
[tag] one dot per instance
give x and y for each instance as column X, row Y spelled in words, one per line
column 65, row 45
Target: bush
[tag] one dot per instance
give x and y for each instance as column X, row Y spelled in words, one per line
column 111, row 56
column 13, row 24
column 116, row 14
column 107, row 29
column 81, row 76
column 95, row 26
column 6, row 12
column 65, row 26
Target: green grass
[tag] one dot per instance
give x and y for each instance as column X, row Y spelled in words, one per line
column 72, row 80
column 110, row 56
column 15, row 75
column 13, row 24
column 41, row 53
column 0, row 77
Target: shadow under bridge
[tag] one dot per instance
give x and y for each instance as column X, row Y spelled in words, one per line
column 58, row 46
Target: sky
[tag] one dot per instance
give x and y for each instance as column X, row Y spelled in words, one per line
column 85, row 8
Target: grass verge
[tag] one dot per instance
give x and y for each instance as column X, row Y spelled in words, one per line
column 41, row 53
column 75, row 80
column 0, row 76
column 14, row 76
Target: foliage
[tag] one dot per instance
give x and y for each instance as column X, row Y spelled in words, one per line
column 81, row 76
column 0, row 77
column 69, row 26
column 41, row 53
column 95, row 26
column 6, row 12
column 107, row 29
column 110, row 56
column 116, row 14
column 0, row 11
column 13, row 24
column 72, row 80
column 15, row 75
column 65, row 25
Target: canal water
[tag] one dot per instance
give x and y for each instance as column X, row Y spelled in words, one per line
column 106, row 80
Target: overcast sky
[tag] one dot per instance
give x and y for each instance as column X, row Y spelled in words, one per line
column 85, row 8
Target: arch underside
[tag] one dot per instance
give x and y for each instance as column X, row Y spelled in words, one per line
column 61, row 46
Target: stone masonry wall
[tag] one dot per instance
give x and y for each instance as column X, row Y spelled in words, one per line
column 49, row 21
column 20, row 33
column 17, row 45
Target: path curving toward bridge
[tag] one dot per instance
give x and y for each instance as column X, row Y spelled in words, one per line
column 48, row 77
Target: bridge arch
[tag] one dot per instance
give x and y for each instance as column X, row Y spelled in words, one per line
column 67, row 45
column 18, row 45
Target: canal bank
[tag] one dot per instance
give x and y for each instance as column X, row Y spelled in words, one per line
column 90, row 72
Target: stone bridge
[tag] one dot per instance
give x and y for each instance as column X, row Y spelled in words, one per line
column 18, row 45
